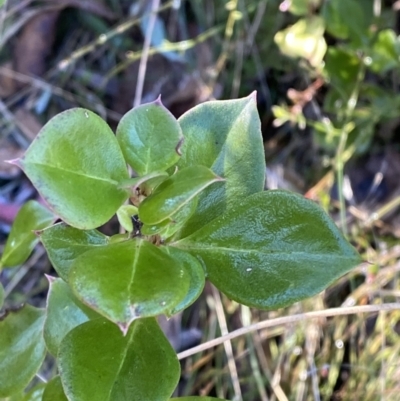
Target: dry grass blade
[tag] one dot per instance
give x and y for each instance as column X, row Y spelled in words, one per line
column 287, row 320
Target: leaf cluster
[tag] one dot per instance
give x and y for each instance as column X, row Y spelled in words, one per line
column 190, row 197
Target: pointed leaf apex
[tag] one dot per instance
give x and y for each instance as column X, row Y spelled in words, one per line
column 158, row 101
column 15, row 162
column 124, row 327
column 50, row 279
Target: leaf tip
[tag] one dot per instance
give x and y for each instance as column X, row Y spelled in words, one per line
column 158, row 101
column 50, row 279
column 124, row 327
column 253, row 96
column 15, row 162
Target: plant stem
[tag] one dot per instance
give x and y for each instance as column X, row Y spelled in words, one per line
column 341, row 158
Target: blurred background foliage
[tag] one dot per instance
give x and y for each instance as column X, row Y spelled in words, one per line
column 327, row 78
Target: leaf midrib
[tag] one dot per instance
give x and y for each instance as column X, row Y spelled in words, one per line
column 271, row 252
column 123, row 357
column 97, row 178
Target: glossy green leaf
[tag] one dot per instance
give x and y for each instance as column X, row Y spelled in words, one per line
column 22, row 348
column 150, row 181
column 273, row 249
column 226, row 137
column 76, row 164
column 124, row 214
column 64, row 312
column 175, row 192
column 304, row 39
column 22, row 239
column 54, row 390
column 97, row 362
column 64, row 244
column 127, row 280
column 194, row 398
column 150, row 137
column 169, row 227
column 2, row 295
column 155, row 228
column 119, row 238
column 196, row 273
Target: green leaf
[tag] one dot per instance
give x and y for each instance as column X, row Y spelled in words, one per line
column 97, row 362
column 226, row 137
column 76, row 164
column 273, row 249
column 64, row 244
column 384, row 54
column 150, row 138
column 143, row 186
column 54, row 390
column 342, row 67
column 127, row 280
column 169, row 227
column 345, row 19
column 2, row 295
column 64, row 312
column 304, row 39
column 124, row 214
column 175, row 192
column 196, row 273
column 22, row 239
column 22, row 349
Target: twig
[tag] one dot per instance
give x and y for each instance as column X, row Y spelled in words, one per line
column 145, row 53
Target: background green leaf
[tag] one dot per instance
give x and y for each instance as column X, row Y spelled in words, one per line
column 345, row 19
column 130, row 279
column 54, row 390
column 149, row 136
column 342, row 67
column 226, row 137
column 304, row 39
column 271, row 250
column 22, row 239
column 76, row 164
column 22, row 348
column 64, row 312
column 97, row 362
column 64, row 244
column 175, row 192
